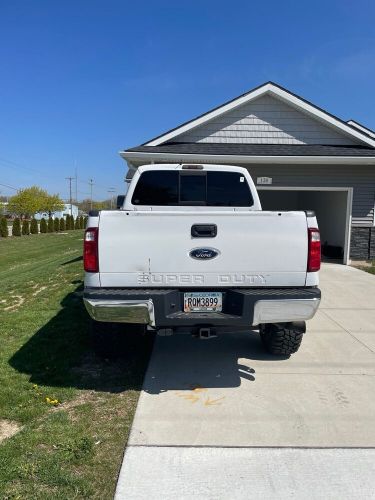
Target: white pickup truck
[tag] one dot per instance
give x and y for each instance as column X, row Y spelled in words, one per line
column 190, row 250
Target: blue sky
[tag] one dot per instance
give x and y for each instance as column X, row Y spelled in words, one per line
column 80, row 80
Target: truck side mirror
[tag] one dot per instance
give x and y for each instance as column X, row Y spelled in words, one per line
column 120, row 201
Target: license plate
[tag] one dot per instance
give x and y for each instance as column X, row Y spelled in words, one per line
column 203, row 301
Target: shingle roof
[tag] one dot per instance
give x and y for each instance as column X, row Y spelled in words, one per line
column 256, row 149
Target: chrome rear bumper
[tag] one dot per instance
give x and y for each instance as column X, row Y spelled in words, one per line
column 164, row 308
column 121, row 311
column 284, row 311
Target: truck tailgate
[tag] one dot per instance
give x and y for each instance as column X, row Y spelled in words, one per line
column 151, row 249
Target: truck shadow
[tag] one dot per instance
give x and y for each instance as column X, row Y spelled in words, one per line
column 182, row 362
column 60, row 354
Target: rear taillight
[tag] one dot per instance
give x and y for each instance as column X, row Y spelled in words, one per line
column 90, row 250
column 313, row 258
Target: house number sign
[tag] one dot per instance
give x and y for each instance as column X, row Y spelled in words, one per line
column 264, row 180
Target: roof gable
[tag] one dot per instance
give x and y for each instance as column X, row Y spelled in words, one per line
column 266, row 120
column 317, row 124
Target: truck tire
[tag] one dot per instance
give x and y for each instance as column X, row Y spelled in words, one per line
column 282, row 339
column 111, row 340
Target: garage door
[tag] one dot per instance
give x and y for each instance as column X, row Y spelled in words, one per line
column 332, row 208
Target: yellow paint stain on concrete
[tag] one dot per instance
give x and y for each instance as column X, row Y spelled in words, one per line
column 196, row 394
column 213, row 402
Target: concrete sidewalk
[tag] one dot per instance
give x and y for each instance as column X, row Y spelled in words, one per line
column 212, row 402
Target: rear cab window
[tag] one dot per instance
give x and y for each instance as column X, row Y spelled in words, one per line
column 206, row 188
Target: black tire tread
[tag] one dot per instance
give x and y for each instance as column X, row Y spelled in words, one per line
column 281, row 339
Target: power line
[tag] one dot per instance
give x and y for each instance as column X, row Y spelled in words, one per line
column 10, row 187
column 12, row 164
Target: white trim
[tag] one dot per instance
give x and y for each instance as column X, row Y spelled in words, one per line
column 301, row 188
column 207, row 158
column 275, row 91
column 349, row 203
column 357, row 125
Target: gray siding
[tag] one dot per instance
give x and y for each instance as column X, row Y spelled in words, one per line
column 263, row 121
column 360, row 178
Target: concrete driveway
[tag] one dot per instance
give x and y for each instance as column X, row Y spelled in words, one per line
column 222, row 419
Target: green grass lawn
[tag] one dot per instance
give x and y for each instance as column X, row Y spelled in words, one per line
column 71, row 444
column 369, row 268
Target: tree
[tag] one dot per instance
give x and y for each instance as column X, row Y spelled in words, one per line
column 3, row 227
column 16, row 228
column 31, row 200
column 81, row 222
column 52, row 203
column 34, row 226
column 85, row 205
column 25, row 227
column 62, row 224
column 27, row 201
column 56, row 225
column 77, row 224
column 50, row 225
column 43, row 226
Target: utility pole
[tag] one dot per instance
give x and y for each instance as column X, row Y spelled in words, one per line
column 76, row 181
column 70, row 193
column 110, row 192
column 91, row 182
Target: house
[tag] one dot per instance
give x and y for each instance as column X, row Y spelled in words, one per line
column 3, row 207
column 300, row 157
column 67, row 210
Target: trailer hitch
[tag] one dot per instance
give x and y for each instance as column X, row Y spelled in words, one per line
column 205, row 333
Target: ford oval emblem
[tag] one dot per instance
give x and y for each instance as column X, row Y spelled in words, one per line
column 204, row 253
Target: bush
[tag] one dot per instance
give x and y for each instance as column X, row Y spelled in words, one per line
column 3, row 228
column 77, row 224
column 62, row 224
column 16, row 228
column 50, row 225
column 43, row 226
column 34, row 226
column 25, row 227
column 67, row 222
column 56, row 225
column 82, row 219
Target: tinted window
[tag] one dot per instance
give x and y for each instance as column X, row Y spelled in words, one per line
column 159, row 187
column 215, row 189
column 228, row 189
column 193, row 188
